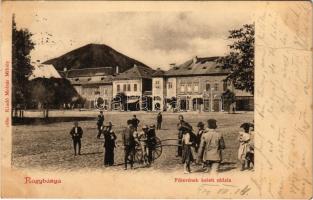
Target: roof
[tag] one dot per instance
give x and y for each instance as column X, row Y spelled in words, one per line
column 92, row 80
column 44, row 71
column 100, row 71
column 135, row 73
column 158, row 73
column 197, row 66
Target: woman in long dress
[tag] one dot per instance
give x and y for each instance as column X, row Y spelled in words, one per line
column 244, row 145
column 109, row 145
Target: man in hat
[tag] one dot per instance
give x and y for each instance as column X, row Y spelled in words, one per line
column 180, row 134
column 129, row 144
column 159, row 121
column 210, row 149
column 109, row 145
column 135, row 122
column 100, row 121
column 200, row 126
column 151, row 142
column 76, row 133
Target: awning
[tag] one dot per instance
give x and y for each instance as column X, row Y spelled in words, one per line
column 132, row 100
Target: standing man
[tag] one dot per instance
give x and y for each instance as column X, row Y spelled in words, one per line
column 151, row 142
column 211, row 146
column 159, row 121
column 100, row 121
column 129, row 144
column 135, row 122
column 180, row 135
column 76, row 133
column 199, row 134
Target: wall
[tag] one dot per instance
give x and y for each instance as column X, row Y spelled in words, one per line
column 126, row 82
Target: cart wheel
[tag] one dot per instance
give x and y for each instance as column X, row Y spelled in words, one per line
column 138, row 155
column 157, row 151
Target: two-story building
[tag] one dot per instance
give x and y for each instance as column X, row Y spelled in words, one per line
column 91, row 84
column 136, row 85
column 197, row 84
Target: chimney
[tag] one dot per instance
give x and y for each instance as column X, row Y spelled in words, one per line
column 116, row 70
column 172, row 65
column 195, row 59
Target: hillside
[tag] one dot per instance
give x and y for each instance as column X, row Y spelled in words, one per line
column 92, row 56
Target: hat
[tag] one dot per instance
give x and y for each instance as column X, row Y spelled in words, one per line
column 212, row 124
column 246, row 125
column 200, row 124
column 152, row 126
column 145, row 127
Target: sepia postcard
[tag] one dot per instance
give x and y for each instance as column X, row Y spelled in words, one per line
column 156, row 99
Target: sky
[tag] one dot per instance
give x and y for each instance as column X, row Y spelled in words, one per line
column 156, row 38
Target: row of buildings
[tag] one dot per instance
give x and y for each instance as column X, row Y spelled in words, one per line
column 197, row 84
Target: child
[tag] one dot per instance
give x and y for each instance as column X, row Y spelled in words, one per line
column 244, row 139
column 142, row 140
column 250, row 153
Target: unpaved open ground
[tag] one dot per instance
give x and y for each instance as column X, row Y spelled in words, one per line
column 49, row 146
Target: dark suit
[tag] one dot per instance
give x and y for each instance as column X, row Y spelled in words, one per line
column 129, row 145
column 100, row 121
column 109, row 145
column 135, row 123
column 77, row 134
column 159, row 121
column 151, row 143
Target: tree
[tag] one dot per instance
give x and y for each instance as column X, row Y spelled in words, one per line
column 229, row 99
column 22, row 45
column 51, row 93
column 240, row 60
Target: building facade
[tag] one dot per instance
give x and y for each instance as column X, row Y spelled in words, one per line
column 94, row 85
column 196, row 85
column 135, row 84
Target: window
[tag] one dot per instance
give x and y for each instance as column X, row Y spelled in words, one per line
column 182, row 87
column 105, row 91
column 157, row 84
column 128, row 87
column 207, row 87
column 170, row 85
column 216, row 86
column 196, row 87
column 124, row 87
column 189, row 87
column 135, row 87
column 118, row 88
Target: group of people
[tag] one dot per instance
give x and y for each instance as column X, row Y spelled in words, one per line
column 204, row 146
column 131, row 137
column 145, row 139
